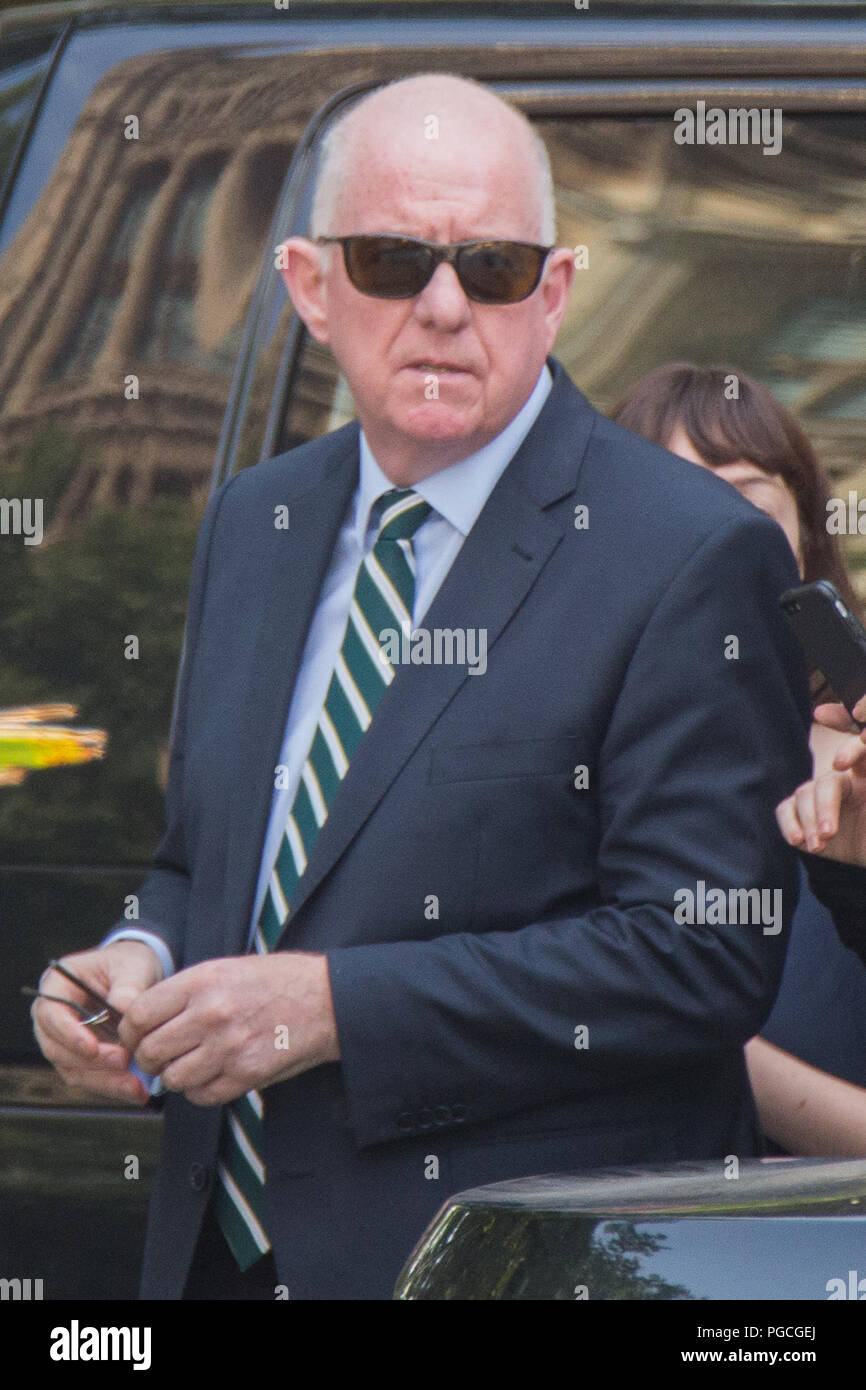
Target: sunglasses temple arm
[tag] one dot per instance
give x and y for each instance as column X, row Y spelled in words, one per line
column 73, row 979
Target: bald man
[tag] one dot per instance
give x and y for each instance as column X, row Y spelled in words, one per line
column 452, row 755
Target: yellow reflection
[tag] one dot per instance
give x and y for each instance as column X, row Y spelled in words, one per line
column 30, row 740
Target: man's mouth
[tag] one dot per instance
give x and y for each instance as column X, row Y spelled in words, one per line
column 440, row 367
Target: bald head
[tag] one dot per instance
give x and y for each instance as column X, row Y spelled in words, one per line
column 435, row 130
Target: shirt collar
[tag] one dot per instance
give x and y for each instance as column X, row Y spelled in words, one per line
column 459, row 491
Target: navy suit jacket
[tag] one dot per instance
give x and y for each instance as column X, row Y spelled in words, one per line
column 477, row 907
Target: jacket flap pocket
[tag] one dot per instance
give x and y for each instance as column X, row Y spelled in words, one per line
column 536, row 757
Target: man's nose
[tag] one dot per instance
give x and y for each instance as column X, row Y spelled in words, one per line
column 443, row 301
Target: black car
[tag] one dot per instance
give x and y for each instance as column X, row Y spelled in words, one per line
column 152, row 157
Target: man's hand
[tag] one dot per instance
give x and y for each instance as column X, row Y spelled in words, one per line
column 223, row 1027
column 120, row 972
column 827, row 815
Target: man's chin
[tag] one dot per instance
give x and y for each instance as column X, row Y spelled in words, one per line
column 437, row 423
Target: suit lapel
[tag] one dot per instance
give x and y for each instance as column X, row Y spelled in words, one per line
column 496, row 567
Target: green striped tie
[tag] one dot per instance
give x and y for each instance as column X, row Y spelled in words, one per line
column 384, row 598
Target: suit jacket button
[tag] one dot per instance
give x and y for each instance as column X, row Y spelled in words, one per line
column 199, row 1177
column 442, row 1114
column 425, row 1119
column 404, row 1122
column 458, row 1112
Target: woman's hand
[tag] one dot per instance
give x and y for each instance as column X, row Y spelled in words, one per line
column 827, row 815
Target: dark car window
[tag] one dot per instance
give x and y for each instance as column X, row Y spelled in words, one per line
column 125, row 282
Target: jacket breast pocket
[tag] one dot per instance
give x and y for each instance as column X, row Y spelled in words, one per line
column 536, row 829
column 478, row 762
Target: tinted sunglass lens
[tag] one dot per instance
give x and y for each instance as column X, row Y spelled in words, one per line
column 500, row 272
column 387, row 267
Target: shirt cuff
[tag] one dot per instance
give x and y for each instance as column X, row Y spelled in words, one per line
column 156, row 944
column 151, row 1083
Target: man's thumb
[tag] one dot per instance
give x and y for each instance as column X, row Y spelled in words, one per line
column 121, row 995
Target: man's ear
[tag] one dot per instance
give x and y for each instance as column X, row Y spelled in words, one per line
column 300, row 264
column 556, row 284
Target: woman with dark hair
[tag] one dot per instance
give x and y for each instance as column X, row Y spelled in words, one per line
column 808, row 1067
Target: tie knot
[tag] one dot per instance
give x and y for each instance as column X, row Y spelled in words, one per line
column 399, row 513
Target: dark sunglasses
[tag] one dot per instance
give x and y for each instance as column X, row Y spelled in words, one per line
column 98, row 1015
column 399, row 267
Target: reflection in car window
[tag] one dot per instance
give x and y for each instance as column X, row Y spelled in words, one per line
column 169, row 330
column 123, row 297
column 81, row 350
column 90, row 56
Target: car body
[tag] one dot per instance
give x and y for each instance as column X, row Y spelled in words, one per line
column 745, row 1232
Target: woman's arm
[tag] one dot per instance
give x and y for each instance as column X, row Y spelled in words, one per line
column 806, row 1111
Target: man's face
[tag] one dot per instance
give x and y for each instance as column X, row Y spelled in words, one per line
column 437, row 376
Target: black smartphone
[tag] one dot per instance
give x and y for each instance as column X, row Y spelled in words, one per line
column 831, row 637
